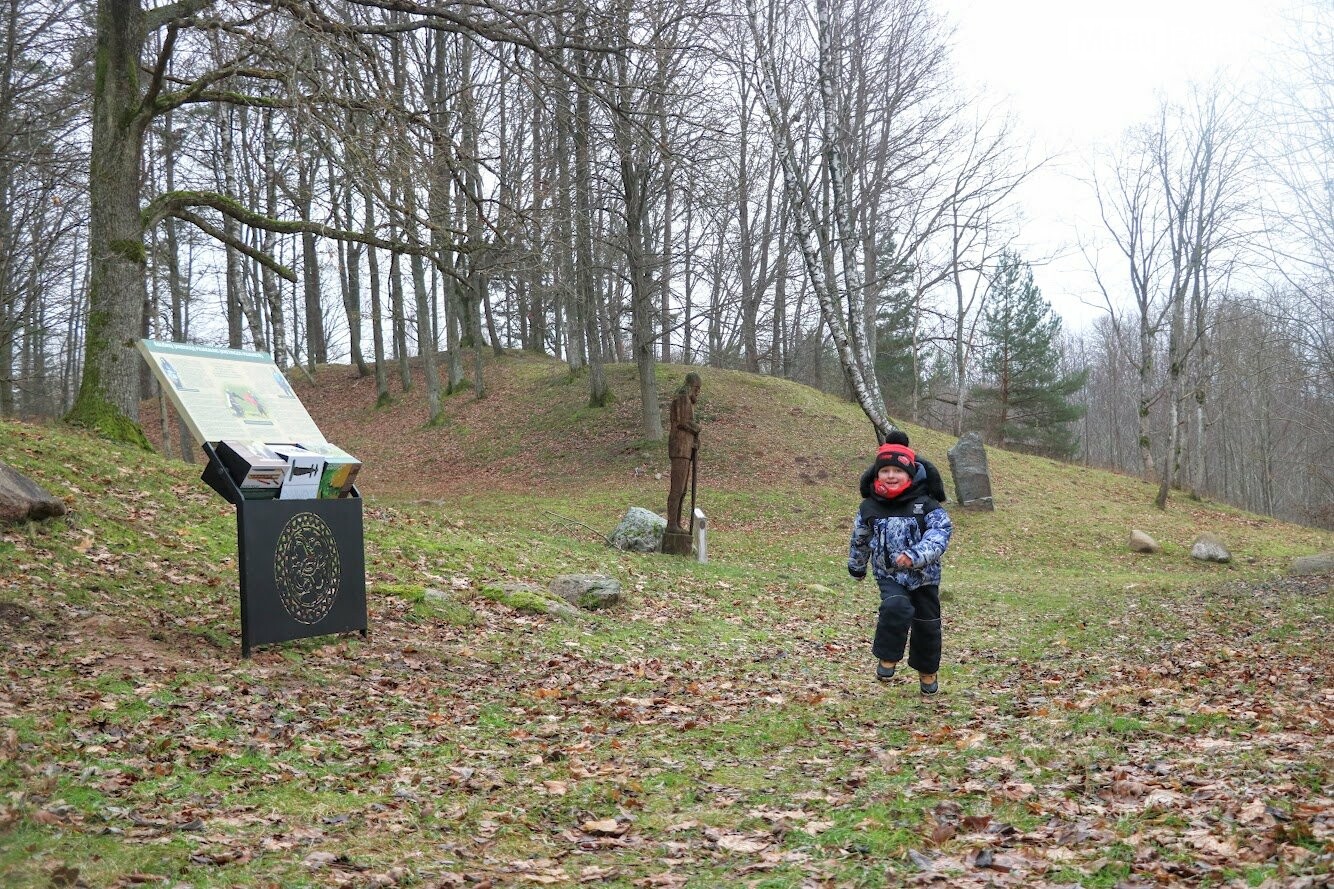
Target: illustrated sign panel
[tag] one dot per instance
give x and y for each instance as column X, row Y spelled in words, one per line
column 228, row 394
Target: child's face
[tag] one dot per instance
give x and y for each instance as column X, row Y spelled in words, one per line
column 892, row 475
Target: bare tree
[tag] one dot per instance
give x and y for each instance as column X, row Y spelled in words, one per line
column 1132, row 212
column 123, row 106
column 1173, row 207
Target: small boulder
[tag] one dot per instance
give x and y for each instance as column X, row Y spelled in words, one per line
column 437, row 597
column 1210, row 548
column 640, row 531
column 564, row 611
column 530, row 599
column 591, row 591
column 1141, row 542
column 22, row 499
column 1308, row 566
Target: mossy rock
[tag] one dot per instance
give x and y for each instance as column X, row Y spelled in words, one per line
column 590, row 591
column 529, row 599
column 445, row 606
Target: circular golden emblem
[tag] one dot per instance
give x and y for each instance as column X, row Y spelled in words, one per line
column 306, row 568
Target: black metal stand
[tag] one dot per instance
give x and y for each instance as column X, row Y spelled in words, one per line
column 302, row 563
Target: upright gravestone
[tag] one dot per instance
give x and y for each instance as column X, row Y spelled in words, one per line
column 968, row 465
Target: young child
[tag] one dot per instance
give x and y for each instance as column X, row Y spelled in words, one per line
column 901, row 532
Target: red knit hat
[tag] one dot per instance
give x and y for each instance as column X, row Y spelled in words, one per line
column 898, row 455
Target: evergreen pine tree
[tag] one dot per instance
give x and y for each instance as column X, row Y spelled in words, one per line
column 1026, row 399
column 894, row 360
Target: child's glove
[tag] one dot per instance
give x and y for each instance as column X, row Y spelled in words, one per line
column 857, row 575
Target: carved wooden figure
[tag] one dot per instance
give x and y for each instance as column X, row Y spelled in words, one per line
column 682, row 446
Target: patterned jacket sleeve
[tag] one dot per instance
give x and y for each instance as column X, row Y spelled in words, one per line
column 859, row 550
column 935, row 541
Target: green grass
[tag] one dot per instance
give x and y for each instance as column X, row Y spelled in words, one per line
column 1084, row 688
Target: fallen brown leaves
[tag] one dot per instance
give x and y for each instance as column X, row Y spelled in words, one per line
column 714, row 730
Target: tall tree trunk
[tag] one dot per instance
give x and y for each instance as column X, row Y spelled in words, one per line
column 398, row 311
column 440, row 210
column 715, row 328
column 177, row 292
column 569, row 283
column 751, row 292
column 273, row 293
column 1146, row 396
column 599, row 393
column 426, row 343
column 668, row 248
column 240, row 307
column 962, row 344
column 780, row 362
column 455, row 302
column 108, row 399
column 350, row 254
column 641, row 295
column 1175, row 376
column 688, row 276
column 534, row 318
column 382, row 396
column 635, row 177
column 316, row 346
column 474, row 289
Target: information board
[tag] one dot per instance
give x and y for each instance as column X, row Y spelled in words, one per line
column 228, row 394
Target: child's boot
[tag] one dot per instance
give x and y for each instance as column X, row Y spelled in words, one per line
column 930, row 683
column 884, row 670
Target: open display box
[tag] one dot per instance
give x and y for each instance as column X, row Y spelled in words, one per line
column 301, row 561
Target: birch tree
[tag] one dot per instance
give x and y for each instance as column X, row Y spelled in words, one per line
column 826, row 234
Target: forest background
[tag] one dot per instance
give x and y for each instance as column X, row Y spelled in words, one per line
column 801, row 189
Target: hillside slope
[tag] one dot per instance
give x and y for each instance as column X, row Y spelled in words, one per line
column 533, row 426
column 532, row 440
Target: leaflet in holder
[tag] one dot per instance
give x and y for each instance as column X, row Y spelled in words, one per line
column 256, row 469
column 302, row 472
column 340, row 469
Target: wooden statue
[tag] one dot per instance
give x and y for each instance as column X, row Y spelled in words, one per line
column 682, row 446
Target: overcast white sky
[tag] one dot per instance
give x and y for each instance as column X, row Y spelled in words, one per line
column 1076, row 74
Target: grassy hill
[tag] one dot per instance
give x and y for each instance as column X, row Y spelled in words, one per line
column 1105, row 718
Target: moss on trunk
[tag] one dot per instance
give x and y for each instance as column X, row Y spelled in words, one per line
column 105, row 419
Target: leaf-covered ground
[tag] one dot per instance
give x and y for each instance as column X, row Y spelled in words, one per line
column 1104, row 719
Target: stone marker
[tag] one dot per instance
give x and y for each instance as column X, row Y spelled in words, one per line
column 1210, row 548
column 972, row 480
column 1141, row 542
column 1307, row 566
column 640, row 531
column 591, row 591
column 701, row 523
column 22, row 499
